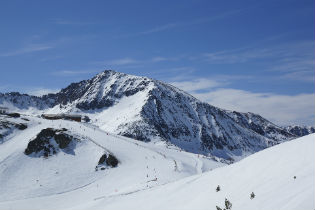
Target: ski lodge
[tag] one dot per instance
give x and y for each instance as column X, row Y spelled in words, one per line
column 74, row 117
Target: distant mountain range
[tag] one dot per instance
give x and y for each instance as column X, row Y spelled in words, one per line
column 150, row 110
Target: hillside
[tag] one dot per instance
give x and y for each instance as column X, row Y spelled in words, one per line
column 56, row 157
column 269, row 174
column 154, row 172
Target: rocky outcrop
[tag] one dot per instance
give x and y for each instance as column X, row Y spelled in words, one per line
column 107, row 160
column 48, row 142
column 300, row 130
column 7, row 126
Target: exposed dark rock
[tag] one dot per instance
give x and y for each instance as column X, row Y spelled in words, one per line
column 86, row 119
column 8, row 126
column 300, row 130
column 111, row 160
column 108, row 160
column 15, row 115
column 21, row 126
column 102, row 159
column 48, row 142
column 63, row 140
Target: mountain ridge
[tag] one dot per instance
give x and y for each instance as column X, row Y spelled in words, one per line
column 147, row 109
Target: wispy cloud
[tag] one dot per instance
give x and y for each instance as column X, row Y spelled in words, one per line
column 279, row 108
column 73, row 72
column 132, row 61
column 27, row 49
column 168, row 26
column 122, row 61
column 290, row 59
column 306, row 76
column 282, row 52
column 60, row 21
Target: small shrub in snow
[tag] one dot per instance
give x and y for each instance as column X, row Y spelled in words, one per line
column 252, row 195
column 218, row 208
column 218, row 188
column 228, row 205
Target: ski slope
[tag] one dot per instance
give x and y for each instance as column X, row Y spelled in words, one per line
column 269, row 174
column 66, row 180
column 184, row 180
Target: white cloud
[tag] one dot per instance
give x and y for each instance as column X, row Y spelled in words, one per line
column 159, row 58
column 28, row 49
column 122, row 61
column 127, row 61
column 197, row 84
column 168, row 26
column 278, row 108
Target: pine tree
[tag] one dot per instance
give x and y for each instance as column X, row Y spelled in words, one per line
column 252, row 195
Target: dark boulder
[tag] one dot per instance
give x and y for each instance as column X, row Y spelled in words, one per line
column 102, row 159
column 109, row 160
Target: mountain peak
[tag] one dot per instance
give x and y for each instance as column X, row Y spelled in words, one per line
column 147, row 109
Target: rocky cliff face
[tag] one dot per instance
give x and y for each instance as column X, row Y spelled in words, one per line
column 300, row 130
column 147, row 109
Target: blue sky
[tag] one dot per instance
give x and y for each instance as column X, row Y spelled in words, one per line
column 253, row 56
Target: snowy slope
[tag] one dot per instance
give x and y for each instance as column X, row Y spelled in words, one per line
column 10, row 126
column 269, row 174
column 73, row 173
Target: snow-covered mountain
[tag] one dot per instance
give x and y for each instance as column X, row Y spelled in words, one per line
column 149, row 110
column 63, row 164
column 25, row 101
